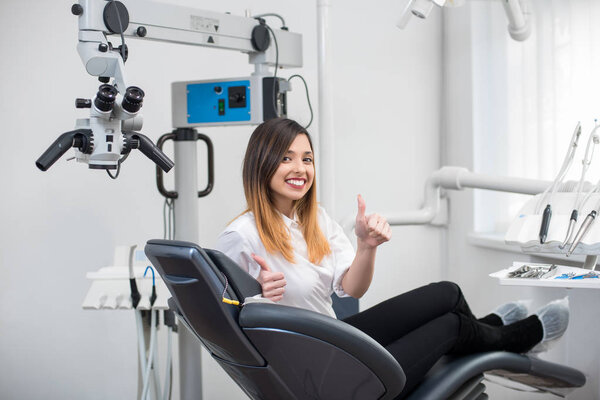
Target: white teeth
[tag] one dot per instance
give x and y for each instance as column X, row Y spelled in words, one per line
column 295, row 182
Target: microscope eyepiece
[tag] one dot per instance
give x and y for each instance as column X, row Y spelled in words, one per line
column 105, row 98
column 132, row 101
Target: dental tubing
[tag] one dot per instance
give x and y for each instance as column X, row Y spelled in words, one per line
column 146, row 377
column 593, row 140
column 547, row 214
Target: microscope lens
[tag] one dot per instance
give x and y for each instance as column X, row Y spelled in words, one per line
column 132, row 101
column 105, row 98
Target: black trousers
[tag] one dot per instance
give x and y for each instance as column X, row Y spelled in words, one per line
column 421, row 326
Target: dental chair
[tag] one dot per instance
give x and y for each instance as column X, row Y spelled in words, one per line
column 277, row 352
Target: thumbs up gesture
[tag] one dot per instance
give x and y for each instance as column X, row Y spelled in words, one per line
column 273, row 283
column 372, row 230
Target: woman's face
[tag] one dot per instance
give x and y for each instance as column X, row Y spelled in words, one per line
column 294, row 176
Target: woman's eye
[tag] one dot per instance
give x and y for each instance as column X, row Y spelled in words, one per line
column 286, row 159
column 308, row 160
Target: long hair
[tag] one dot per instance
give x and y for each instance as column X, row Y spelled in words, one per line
column 267, row 146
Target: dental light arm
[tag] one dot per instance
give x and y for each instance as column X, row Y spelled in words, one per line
column 519, row 24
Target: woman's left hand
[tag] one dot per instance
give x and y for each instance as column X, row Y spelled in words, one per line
column 372, row 230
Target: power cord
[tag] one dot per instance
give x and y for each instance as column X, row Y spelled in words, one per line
column 276, row 67
column 283, row 26
column 307, row 97
column 121, row 160
column 120, row 29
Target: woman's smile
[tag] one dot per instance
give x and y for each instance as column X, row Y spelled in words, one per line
column 296, row 183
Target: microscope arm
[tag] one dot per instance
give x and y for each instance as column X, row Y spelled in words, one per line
column 135, row 140
column 80, row 138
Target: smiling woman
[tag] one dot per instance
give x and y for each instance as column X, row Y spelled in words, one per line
column 299, row 255
column 278, row 156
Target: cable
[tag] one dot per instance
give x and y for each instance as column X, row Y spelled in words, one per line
column 307, row 97
column 283, row 26
column 169, row 220
column 121, row 160
column 225, row 299
column 275, row 72
column 120, row 29
column 153, row 295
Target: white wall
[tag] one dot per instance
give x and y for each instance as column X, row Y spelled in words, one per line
column 60, row 224
column 469, row 265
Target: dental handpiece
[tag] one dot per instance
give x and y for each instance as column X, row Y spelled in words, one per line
column 570, row 230
column 545, row 223
column 583, row 230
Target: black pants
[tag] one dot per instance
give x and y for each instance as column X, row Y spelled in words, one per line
column 420, row 326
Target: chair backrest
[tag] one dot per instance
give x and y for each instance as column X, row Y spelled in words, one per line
column 197, row 287
column 271, row 351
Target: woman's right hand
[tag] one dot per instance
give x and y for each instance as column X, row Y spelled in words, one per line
column 272, row 283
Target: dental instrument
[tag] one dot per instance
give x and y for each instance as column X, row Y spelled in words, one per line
column 135, row 294
column 568, row 160
column 583, row 230
column 593, row 140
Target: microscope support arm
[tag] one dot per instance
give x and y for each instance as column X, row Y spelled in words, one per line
column 169, row 23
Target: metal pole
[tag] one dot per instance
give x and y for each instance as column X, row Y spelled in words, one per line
column 186, row 228
column 326, row 160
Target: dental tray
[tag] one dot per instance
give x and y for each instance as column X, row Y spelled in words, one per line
column 551, row 281
column 525, row 228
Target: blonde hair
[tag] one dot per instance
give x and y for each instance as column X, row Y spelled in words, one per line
column 266, row 148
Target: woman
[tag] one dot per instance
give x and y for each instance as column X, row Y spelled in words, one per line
column 300, row 256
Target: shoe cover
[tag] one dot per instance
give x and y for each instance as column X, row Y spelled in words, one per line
column 513, row 311
column 555, row 319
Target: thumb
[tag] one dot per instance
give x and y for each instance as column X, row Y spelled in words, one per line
column 261, row 262
column 361, row 207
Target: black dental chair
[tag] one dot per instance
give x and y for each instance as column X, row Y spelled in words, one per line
column 277, row 352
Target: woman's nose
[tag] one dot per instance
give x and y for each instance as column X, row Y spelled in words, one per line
column 299, row 166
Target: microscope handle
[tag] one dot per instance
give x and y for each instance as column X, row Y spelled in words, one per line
column 150, row 150
column 77, row 138
column 187, row 134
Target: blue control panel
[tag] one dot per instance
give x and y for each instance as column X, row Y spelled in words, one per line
column 226, row 101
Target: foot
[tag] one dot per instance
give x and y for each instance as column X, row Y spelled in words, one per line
column 554, row 317
column 512, row 312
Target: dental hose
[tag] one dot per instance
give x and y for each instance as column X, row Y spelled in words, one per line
column 169, row 370
column 135, row 294
column 547, row 214
column 152, row 356
column 586, row 162
column 146, row 377
column 141, row 344
column 135, row 301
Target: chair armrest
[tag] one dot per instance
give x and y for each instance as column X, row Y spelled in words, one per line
column 330, row 330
